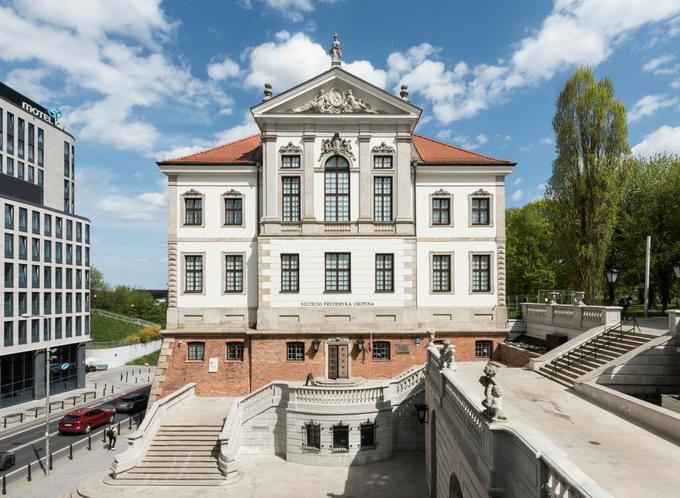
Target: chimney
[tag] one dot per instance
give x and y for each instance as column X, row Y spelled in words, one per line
column 267, row 92
column 404, row 92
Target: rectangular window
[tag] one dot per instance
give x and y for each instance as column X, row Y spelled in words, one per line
column 47, row 277
column 291, row 198
column 382, row 198
column 41, row 177
column 382, row 162
column 340, row 438
column 31, row 174
column 21, row 132
column 47, row 225
column 295, row 351
column 336, row 191
column 47, row 303
column 1, row 129
column 79, row 255
column 9, row 304
column 69, row 229
column 367, row 435
column 67, row 197
column 193, row 211
column 193, row 276
column 9, row 326
column 59, row 230
column 79, row 279
column 67, row 159
column 21, row 172
column 35, row 276
column 79, row 326
column 69, row 278
column 290, row 162
column 312, row 432
column 35, row 249
column 46, row 330
column 290, row 273
column 58, row 278
column 41, row 147
column 79, row 302
column 35, row 330
column 233, row 211
column 57, row 328
column 69, row 302
column 441, row 273
column 31, row 142
column 79, row 232
column 35, row 303
column 35, row 222
column 9, row 216
column 69, row 254
column 23, row 219
column 23, row 276
column 384, row 272
column 441, row 211
column 235, row 351
column 23, row 303
column 23, row 337
column 69, row 326
column 58, row 257
column 10, row 166
column 338, row 272
column 9, row 275
column 47, row 251
column 87, row 234
column 58, row 300
column 234, row 273
column 23, row 247
column 381, row 350
column 480, row 211
column 483, row 349
column 481, row 273
column 9, row 245
column 10, row 133
column 196, row 351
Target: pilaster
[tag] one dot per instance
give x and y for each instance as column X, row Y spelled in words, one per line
column 364, row 178
column 269, row 156
column 404, row 202
column 308, row 141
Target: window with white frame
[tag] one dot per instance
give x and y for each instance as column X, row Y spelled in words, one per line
column 233, row 210
column 441, row 273
column 290, row 162
column 481, row 273
column 193, row 211
column 290, row 273
column 234, row 273
column 193, row 273
column 290, row 189
column 382, row 162
column 338, row 272
column 382, row 198
column 480, row 214
column 336, row 189
column 384, row 272
column 195, row 351
column 441, row 210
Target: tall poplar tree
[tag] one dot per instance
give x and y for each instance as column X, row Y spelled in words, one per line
column 591, row 139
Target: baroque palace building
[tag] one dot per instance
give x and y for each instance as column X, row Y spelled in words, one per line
column 331, row 243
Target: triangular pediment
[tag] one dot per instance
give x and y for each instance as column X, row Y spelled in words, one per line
column 333, row 93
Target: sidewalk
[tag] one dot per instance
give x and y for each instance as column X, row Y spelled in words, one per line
column 104, row 383
column 66, row 473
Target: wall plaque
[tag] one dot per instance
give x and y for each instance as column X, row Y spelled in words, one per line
column 402, row 349
column 212, row 365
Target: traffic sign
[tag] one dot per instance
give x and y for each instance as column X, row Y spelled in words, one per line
column 65, row 366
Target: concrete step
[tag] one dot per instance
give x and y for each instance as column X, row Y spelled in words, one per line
column 194, row 427
column 176, row 473
column 573, row 370
column 558, row 377
column 182, row 442
column 588, row 363
column 614, row 347
column 184, row 437
column 160, row 481
column 190, row 464
column 182, row 454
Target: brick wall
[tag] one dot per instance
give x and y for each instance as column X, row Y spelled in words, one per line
column 513, row 356
column 268, row 357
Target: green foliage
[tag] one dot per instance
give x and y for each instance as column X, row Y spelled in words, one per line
column 151, row 359
column 651, row 206
column 105, row 329
column 587, row 179
column 532, row 263
column 125, row 300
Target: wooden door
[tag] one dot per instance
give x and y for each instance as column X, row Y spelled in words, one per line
column 343, row 370
column 332, row 362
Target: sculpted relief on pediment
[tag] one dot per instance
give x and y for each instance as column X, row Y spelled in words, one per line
column 335, row 101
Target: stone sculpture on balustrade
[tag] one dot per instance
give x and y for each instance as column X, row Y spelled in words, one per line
column 446, row 356
column 493, row 394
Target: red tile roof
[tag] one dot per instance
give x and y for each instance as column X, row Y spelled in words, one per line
column 434, row 152
column 245, row 151
column 242, row 151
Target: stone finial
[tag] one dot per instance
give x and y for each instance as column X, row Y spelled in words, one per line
column 335, row 51
column 493, row 394
column 447, row 355
column 267, row 92
column 578, row 298
column 403, row 93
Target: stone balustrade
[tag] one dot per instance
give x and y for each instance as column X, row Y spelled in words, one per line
column 674, row 321
column 566, row 320
column 336, row 396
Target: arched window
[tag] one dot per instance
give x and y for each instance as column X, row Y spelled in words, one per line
column 337, row 189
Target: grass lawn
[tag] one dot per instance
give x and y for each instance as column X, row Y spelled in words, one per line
column 151, row 359
column 105, row 329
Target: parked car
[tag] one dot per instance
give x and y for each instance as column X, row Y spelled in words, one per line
column 85, row 419
column 7, row 460
column 132, row 402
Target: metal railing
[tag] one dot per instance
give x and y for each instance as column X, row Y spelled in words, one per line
column 595, row 345
column 123, row 318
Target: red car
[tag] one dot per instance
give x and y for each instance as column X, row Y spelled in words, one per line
column 85, row 419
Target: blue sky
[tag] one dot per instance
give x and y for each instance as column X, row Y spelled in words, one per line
column 140, row 80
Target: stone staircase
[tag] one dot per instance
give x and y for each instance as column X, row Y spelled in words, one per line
column 598, row 351
column 179, row 455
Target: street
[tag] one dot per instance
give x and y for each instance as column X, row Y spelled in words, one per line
column 29, row 445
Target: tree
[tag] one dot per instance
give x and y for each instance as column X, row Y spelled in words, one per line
column 585, row 186
column 532, row 263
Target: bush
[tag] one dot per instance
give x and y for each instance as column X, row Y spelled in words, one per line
column 132, row 339
column 148, row 334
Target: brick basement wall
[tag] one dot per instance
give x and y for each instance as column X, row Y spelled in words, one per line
column 264, row 360
column 513, row 356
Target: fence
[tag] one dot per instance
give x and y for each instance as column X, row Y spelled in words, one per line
column 66, row 453
column 123, row 318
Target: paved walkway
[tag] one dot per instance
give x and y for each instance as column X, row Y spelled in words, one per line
column 621, row 457
column 201, row 411
column 270, row 476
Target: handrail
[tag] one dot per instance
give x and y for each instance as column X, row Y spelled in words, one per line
column 594, row 344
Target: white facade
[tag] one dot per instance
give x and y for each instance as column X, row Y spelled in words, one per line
column 45, row 260
column 337, row 115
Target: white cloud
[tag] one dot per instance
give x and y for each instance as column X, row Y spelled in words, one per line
column 518, row 181
column 293, row 10
column 145, row 207
column 649, row 104
column 29, row 82
column 665, row 139
column 676, row 84
column 516, row 195
column 222, row 70
column 246, row 128
column 653, row 64
column 121, row 74
column 366, row 71
column 548, row 141
column 470, row 143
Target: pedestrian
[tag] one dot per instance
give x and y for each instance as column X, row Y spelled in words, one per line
column 624, row 303
column 112, row 434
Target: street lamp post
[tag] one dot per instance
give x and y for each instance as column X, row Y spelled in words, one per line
column 676, row 269
column 48, row 354
column 612, row 276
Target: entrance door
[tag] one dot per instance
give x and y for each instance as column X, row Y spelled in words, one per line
column 337, row 361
